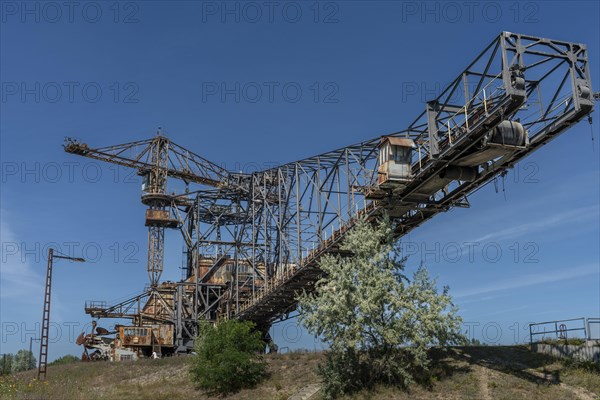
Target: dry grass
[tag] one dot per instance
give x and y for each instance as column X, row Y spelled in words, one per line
column 465, row 373
column 153, row 379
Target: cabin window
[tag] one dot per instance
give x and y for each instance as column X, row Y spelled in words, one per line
column 146, row 183
column 384, row 153
column 135, row 331
column 401, row 154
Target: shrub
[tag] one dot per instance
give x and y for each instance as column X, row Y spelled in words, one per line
column 228, row 357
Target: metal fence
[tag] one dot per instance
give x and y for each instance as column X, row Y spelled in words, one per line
column 593, row 328
column 565, row 329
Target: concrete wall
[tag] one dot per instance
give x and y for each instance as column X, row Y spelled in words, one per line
column 590, row 351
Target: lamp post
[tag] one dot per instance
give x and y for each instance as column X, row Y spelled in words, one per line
column 43, row 361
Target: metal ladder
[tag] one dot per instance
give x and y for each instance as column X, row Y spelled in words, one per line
column 45, row 321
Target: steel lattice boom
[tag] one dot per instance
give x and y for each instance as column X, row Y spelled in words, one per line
column 253, row 241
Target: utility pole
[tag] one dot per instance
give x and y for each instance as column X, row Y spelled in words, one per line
column 31, row 350
column 43, row 361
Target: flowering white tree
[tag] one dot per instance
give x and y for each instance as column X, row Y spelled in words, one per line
column 378, row 323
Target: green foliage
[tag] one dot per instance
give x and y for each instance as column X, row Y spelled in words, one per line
column 474, row 342
column 378, row 323
column 228, row 357
column 23, row 361
column 587, row 365
column 571, row 342
column 6, row 363
column 68, row 359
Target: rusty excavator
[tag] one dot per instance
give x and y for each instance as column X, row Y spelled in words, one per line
column 253, row 241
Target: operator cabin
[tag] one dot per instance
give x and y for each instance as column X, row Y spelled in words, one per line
column 395, row 156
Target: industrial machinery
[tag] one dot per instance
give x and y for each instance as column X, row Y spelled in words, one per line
column 98, row 347
column 254, row 240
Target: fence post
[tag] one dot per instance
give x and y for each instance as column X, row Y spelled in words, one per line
column 589, row 331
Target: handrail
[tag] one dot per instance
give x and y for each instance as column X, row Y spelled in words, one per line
column 562, row 329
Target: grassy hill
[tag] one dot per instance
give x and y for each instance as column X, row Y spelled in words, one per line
column 483, row 373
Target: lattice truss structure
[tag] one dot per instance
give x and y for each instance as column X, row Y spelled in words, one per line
column 254, row 240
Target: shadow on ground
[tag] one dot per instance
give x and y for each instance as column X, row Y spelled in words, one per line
column 518, row 361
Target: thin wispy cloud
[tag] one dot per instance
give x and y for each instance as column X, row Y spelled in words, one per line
column 18, row 279
column 557, row 223
column 532, row 280
column 578, row 215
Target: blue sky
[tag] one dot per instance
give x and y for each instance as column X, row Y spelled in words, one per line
column 110, row 73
